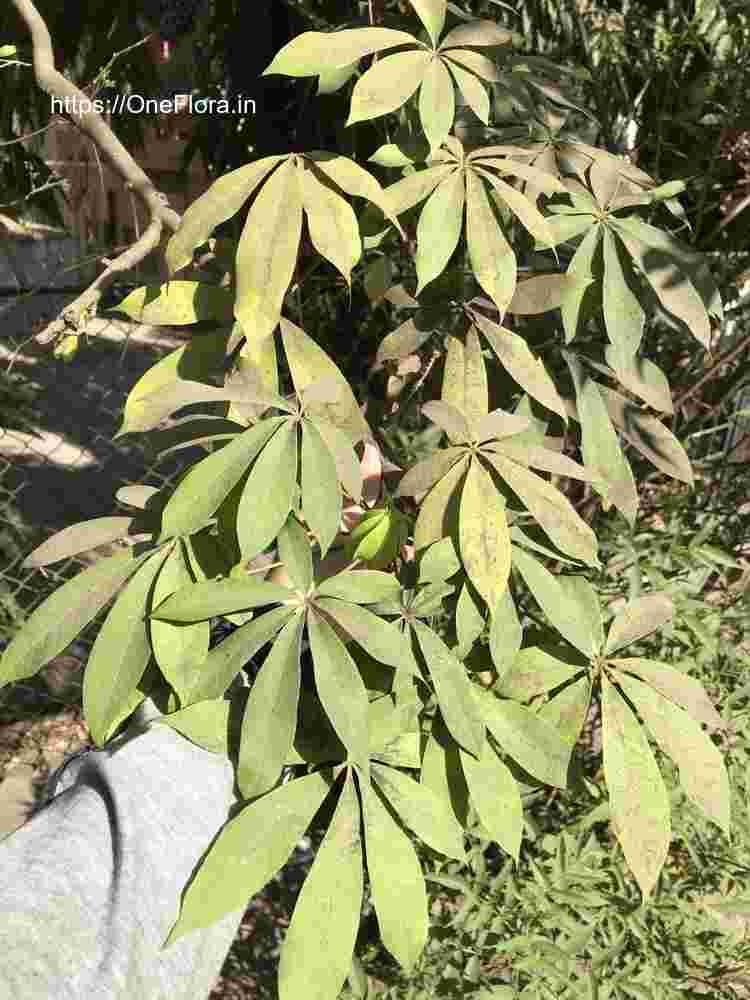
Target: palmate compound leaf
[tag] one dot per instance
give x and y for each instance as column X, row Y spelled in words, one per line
column 65, row 613
column 465, row 379
column 179, row 649
column 703, row 775
column 561, row 610
column 317, row 953
column 548, row 506
column 638, row 798
column 484, row 539
column 120, row 653
column 341, row 690
column 496, row 797
column 309, row 363
column 602, row 454
column 396, row 882
column 209, row 482
column 422, row 810
column 248, row 852
column 638, row 619
column 267, row 252
column 453, row 688
column 268, row 493
column 526, row 737
column 270, row 718
column 224, row 198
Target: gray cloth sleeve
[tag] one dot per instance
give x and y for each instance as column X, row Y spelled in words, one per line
column 91, row 885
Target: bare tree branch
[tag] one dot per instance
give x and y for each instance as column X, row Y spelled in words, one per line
column 78, row 107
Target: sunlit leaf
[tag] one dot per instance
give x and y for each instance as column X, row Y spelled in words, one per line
column 437, row 103
column 638, row 619
column 387, row 85
column 465, row 378
column 314, row 52
column 679, row 687
column 439, row 229
column 421, row 810
column 483, row 534
column 77, row 538
column 435, row 510
column 492, row 259
column 496, row 798
column 332, row 224
column 268, row 493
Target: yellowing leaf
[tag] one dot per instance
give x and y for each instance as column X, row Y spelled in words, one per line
column 679, row 687
column 309, row 363
column 524, row 209
column 472, row 90
column 638, row 800
column 387, row 85
column 483, row 533
column 465, row 379
column 333, row 226
column 703, row 775
column 492, row 259
column 267, row 253
column 434, row 518
column 437, row 103
column 315, row 52
column 224, row 198
column 432, row 15
column 178, row 303
column 638, row 619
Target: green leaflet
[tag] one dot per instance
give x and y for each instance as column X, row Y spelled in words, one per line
column 226, row 659
column 321, row 494
column 637, row 796
column 308, row 363
column 703, row 776
column 396, row 882
column 638, row 619
column 533, row 672
column 437, row 511
column 602, row 454
column 64, row 614
column 421, row 810
column 553, row 511
column 530, row 740
column 381, row 639
column 295, row 553
column 332, row 224
column 209, row 481
column 361, row 586
column 471, row 88
column 178, row 303
column 469, row 622
column 582, row 594
column 524, row 210
column 562, row 611
column 442, row 773
column 267, row 253
column 219, row 597
column 319, row 944
column 432, row 15
column 680, row 688
column 120, row 653
column 568, row 709
column 483, row 534
column 465, row 379
column 77, row 538
column 268, row 493
column 224, row 198
column 496, row 798
column 206, row 723
column 439, row 228
column 270, row 718
column 506, row 634
column 529, row 372
column 250, row 849
column 492, row 258
column 438, row 562
column 179, row 649
column 624, row 316
column 387, row 85
column 316, row 52
column 643, row 378
column 453, row 689
column 340, row 689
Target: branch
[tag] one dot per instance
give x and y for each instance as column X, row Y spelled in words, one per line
column 89, row 121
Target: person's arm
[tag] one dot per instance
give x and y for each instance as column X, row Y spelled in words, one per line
column 90, row 886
